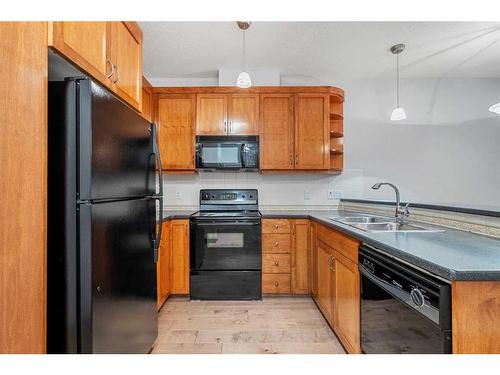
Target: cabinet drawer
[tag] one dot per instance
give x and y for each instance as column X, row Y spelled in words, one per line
column 345, row 245
column 275, row 226
column 276, row 243
column 276, row 263
column 275, row 283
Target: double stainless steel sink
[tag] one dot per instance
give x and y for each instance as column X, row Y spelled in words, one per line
column 370, row 223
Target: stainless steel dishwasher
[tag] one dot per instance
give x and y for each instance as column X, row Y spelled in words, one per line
column 403, row 310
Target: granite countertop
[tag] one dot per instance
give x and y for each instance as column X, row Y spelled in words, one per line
column 452, row 254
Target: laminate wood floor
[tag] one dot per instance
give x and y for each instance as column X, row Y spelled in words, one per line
column 275, row 325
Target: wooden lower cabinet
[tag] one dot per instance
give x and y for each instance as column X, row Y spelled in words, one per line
column 347, row 302
column 313, row 251
column 163, row 266
column 179, row 240
column 275, row 283
column 475, row 317
column 335, row 283
column 300, row 257
column 326, row 282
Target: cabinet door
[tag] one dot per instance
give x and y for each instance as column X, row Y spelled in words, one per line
column 243, row 114
column 312, row 136
column 347, row 303
column 300, row 257
column 326, row 281
column 84, row 43
column 126, row 55
column 179, row 237
column 276, row 131
column 314, row 259
column 211, row 114
column 163, row 266
column 175, row 119
column 147, row 101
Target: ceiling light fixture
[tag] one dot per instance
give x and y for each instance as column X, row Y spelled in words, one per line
column 398, row 113
column 243, row 81
column 495, row 108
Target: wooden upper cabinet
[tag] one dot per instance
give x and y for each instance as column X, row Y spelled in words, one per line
column 312, row 135
column 211, row 114
column 85, row 43
column 126, row 55
column 276, row 131
column 243, row 114
column 147, row 100
column 110, row 52
column 175, row 120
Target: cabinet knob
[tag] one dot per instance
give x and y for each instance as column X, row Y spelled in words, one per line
column 276, row 244
column 276, row 226
column 276, row 263
column 276, row 284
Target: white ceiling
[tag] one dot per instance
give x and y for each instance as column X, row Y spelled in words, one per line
column 326, row 51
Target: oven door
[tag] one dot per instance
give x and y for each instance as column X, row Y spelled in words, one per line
column 391, row 326
column 220, row 245
column 218, row 155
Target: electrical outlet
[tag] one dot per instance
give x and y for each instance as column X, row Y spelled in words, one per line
column 307, row 195
column 333, row 194
column 178, row 194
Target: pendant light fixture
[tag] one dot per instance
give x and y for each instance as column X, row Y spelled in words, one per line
column 495, row 108
column 243, row 81
column 398, row 113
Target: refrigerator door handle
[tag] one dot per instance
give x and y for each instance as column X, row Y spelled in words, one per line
column 158, row 228
column 156, row 153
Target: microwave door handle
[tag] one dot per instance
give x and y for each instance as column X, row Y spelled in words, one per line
column 242, row 148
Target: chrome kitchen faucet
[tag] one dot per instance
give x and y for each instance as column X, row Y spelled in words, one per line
column 401, row 213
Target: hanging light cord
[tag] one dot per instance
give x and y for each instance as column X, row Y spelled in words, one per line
column 397, row 80
column 244, row 67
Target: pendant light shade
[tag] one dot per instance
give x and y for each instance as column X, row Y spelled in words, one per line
column 495, row 108
column 398, row 113
column 243, row 81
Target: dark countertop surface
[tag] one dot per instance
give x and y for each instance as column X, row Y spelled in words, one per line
column 452, row 254
column 177, row 214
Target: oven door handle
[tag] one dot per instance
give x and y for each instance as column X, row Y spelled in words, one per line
column 218, row 224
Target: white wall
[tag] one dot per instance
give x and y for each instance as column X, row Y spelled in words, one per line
column 446, row 152
column 275, row 190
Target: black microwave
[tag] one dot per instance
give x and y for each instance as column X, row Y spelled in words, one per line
column 227, row 153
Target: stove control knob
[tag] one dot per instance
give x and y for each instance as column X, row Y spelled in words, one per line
column 417, row 297
column 243, row 196
column 251, row 197
column 213, row 196
column 206, row 196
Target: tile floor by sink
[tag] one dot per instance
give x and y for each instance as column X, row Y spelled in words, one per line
column 275, row 325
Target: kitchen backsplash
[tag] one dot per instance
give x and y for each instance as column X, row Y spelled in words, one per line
column 290, row 190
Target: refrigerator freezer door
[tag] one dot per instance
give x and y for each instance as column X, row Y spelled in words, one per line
column 117, row 277
column 116, row 157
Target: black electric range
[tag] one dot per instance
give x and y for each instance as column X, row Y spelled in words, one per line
column 225, row 246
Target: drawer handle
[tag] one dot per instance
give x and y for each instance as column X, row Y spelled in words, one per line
column 276, row 226
column 276, row 284
column 276, row 244
column 276, row 263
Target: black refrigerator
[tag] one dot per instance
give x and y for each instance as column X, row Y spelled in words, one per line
column 104, row 222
